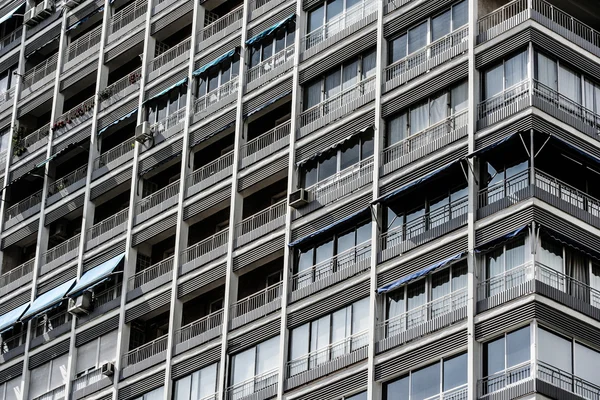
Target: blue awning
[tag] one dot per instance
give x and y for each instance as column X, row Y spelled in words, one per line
column 167, row 90
column 333, row 146
column 46, row 161
column 48, row 300
column 101, row 131
column 268, row 103
column 500, row 240
column 218, row 60
column 329, row 227
column 577, row 150
column 8, row 320
column 492, row 146
column 12, row 12
column 270, row 30
column 95, row 276
column 82, row 20
column 433, row 267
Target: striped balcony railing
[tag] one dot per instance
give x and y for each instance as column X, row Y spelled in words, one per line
column 170, row 125
column 265, row 383
column 270, row 68
column 36, row 75
column 54, row 394
column 108, row 228
column 209, row 174
column 23, row 271
column 119, row 152
column 566, row 381
column 121, row 88
column 503, row 194
column 67, row 180
column 44, row 325
column 12, row 342
column 6, row 98
column 107, row 295
column 23, row 206
column 428, row 58
column 153, row 348
column 429, row 140
column 151, row 273
column 157, row 202
column 74, row 117
column 90, row 378
column 261, row 223
column 170, row 57
column 391, row 5
column 84, row 45
column 500, row 380
column 67, row 250
column 36, row 139
column 205, row 250
column 337, row 106
column 125, row 19
column 9, row 38
column 222, row 95
column 266, row 144
column 201, row 330
column 256, row 305
column 220, row 28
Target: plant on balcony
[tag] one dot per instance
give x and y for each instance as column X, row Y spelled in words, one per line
column 105, row 94
column 134, row 77
column 17, row 140
column 77, row 112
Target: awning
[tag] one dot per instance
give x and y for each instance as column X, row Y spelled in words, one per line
column 329, row 227
column 217, row 61
column 492, row 146
column 95, row 276
column 82, row 20
column 46, row 161
column 11, row 13
column 167, row 90
column 268, row 103
column 30, row 52
column 101, row 131
column 500, row 240
column 333, row 146
column 270, row 30
column 433, row 267
column 577, row 150
column 8, row 320
column 48, row 300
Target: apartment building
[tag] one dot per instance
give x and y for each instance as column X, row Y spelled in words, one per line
column 299, row 200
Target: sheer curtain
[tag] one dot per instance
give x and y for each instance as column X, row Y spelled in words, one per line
column 569, row 84
column 515, row 69
column 419, row 118
column 546, row 71
column 397, row 129
column 577, row 271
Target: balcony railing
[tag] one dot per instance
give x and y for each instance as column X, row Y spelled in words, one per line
column 230, row 20
column 10, row 37
column 423, row 229
column 204, row 328
column 54, row 394
column 261, row 223
column 84, row 44
column 337, row 106
column 429, row 57
column 151, row 273
column 90, row 378
column 128, row 15
column 44, row 324
column 425, row 142
column 107, row 295
column 68, row 246
column 67, row 180
column 263, row 382
column 17, row 273
column 153, row 348
column 160, row 200
column 170, row 125
column 270, row 68
column 26, row 204
column 179, row 50
column 211, row 173
column 121, row 88
column 109, row 225
column 257, row 301
column 224, row 91
column 503, row 194
column 115, row 153
column 42, row 70
column 266, row 144
column 391, row 5
column 208, row 249
column 7, row 97
column 37, row 138
column 12, row 342
column 567, row 381
column 75, row 116
column 508, row 377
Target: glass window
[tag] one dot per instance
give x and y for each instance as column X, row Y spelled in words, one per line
column 315, row 18
column 38, row 380
column 334, row 8
column 550, row 254
column 350, row 74
column 438, row 109
column 369, row 64
column 417, row 37
column 360, row 315
column 493, row 81
column 455, row 372
column 341, row 324
column 419, row 118
column 546, row 71
column 398, row 49
column 569, row 84
column 398, row 389
column 243, row 365
column 554, row 350
column 300, row 339
column 328, row 167
column 494, row 356
column 397, row 129
column 108, row 347
column 312, row 95
column 515, row 69
column 586, row 363
column 517, row 347
column 440, row 25
column 459, row 98
column 350, row 156
column 13, row 390
column 425, row 382
column 333, row 83
column 359, row 396
column 87, row 356
column 460, row 15
column 58, row 373
column 267, row 355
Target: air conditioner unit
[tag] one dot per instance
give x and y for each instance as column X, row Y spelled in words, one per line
column 299, row 198
column 47, row 9
column 28, row 17
column 143, row 132
column 108, row 369
column 81, row 305
column 71, row 3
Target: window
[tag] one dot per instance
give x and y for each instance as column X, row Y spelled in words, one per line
column 48, row 376
column 7, row 79
column 500, row 262
column 218, row 76
column 327, row 19
column 166, row 105
column 447, row 375
column 358, row 396
column 156, row 394
column 254, row 361
column 503, row 354
column 11, row 390
column 198, row 385
column 504, row 178
column 506, row 75
column 272, row 45
column 95, row 353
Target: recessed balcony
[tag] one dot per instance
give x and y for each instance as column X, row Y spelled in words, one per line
column 127, row 19
column 58, row 323
column 36, row 139
column 120, row 89
column 17, row 277
column 66, row 184
column 107, row 229
column 256, row 305
column 83, row 47
column 210, row 174
column 166, row 61
column 74, row 117
column 23, row 209
column 156, row 274
column 269, row 69
column 204, row 251
column 40, row 75
column 199, row 331
column 266, row 144
column 60, row 254
column 215, row 99
column 221, row 28
column 147, row 354
column 115, row 156
column 6, row 99
column 261, row 223
column 170, row 126
column 157, row 202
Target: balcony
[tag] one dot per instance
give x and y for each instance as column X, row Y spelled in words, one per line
column 429, row 317
column 204, row 251
column 516, row 12
column 210, row 174
column 144, row 356
column 329, row 272
column 339, row 27
column 260, row 7
column 327, row 359
column 83, row 47
column 215, row 100
column 105, row 230
column 423, row 143
column 17, row 277
column 40, row 75
column 261, row 223
column 66, row 185
column 61, row 254
column 199, row 332
column 168, row 60
column 91, row 382
column 503, row 194
column 422, row 61
column 270, row 68
column 157, row 202
column 266, row 144
column 120, row 89
column 260, row 387
column 423, row 229
column 36, row 139
column 169, row 126
column 10, row 38
column 74, row 117
column 55, row 394
column 221, row 28
column 127, row 19
column 6, row 99
column 13, row 346
column 256, row 305
column 114, row 157
column 156, row 274
column 391, row 5
column 337, row 106
column 22, row 210
column 58, row 324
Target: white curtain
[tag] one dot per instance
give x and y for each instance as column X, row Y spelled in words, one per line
column 459, row 97
column 493, row 81
column 438, row 109
column 419, row 118
column 515, row 69
column 546, row 71
column 397, row 129
column 569, row 84
column 369, row 64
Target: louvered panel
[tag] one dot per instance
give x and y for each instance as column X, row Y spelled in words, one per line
column 545, row 126
column 332, row 217
column 336, row 135
column 203, row 279
column 8, row 373
column 35, row 101
column 147, row 306
column 206, row 203
column 196, row 362
column 259, row 252
column 105, row 256
column 83, row 11
column 277, row 92
column 576, row 234
column 96, row 331
column 505, row 321
column 499, row 50
column 28, row 166
column 142, row 386
column 118, row 113
column 522, row 125
column 504, row 226
column 11, row 304
column 336, row 390
column 57, row 280
column 124, row 46
column 154, row 229
column 425, row 89
column 5, row 122
column 329, row 304
column 254, row 337
column 272, row 20
column 91, row 68
column 165, row 84
column 414, row 16
column 64, row 210
column 9, row 61
column 39, row 41
column 48, row 354
column 173, row 16
column 82, row 135
column 21, row 233
column 212, row 128
column 232, row 44
column 263, row 173
column 105, row 397
column 567, row 324
column 111, row 183
column 359, row 45
column 8, row 7
column 160, row 156
column 432, row 351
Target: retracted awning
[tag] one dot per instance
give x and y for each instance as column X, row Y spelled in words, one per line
column 268, row 103
column 329, row 227
column 484, row 247
column 48, row 300
column 270, row 30
column 216, row 61
column 123, row 118
column 8, row 320
column 82, row 20
column 167, row 90
column 334, row 146
column 95, row 276
column 577, row 150
column 406, row 279
column 492, row 146
column 12, row 12
column 46, row 161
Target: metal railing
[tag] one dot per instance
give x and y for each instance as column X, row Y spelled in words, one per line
column 54, row 394
column 458, row 393
column 261, row 219
column 107, row 295
column 391, row 5
column 17, row 272
column 215, row 95
column 84, row 43
column 169, row 122
column 40, row 71
column 266, row 144
column 178, row 50
column 329, row 353
column 119, row 86
column 90, row 378
column 211, row 169
column 67, row 180
column 36, row 136
column 503, row 104
column 128, row 15
column 44, row 324
column 256, row 300
column 151, row 273
column 115, row 153
column 7, row 95
column 62, row 249
column 146, row 351
column 502, row 379
column 78, row 114
column 563, row 103
column 12, row 342
column 108, row 224
column 508, row 188
column 206, row 246
column 253, row 385
column 19, row 208
column 199, row 327
column 337, row 24
column 158, row 197
column 10, row 37
column 222, row 23
column 567, row 193
column 567, row 381
column 270, row 64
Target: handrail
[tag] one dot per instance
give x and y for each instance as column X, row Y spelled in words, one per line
column 12, row 342
column 205, row 246
column 270, row 64
column 151, row 273
column 266, row 140
column 108, row 224
column 17, row 272
column 210, row 169
column 82, row 44
column 567, row 381
column 89, row 378
column 7, row 95
column 145, row 351
column 61, row 249
column 262, row 218
column 256, row 300
column 220, row 24
column 107, row 295
column 54, row 394
column 215, row 95
column 19, row 208
column 40, row 71
column 171, row 54
column 80, row 113
column 169, row 121
column 504, row 188
column 253, row 385
column 67, row 180
column 341, row 178
column 157, row 197
column 120, row 85
column 9, row 38
column 200, row 326
column 128, row 15
column 499, row 380
column 115, row 153
column 36, row 136
column 44, row 324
